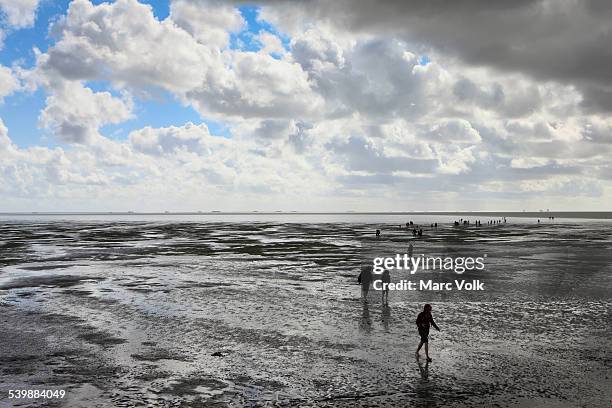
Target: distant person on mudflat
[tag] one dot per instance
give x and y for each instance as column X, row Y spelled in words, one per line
column 424, row 321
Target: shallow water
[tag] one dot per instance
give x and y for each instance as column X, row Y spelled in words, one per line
column 169, row 313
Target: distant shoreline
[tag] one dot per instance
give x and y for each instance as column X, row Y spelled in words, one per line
column 507, row 214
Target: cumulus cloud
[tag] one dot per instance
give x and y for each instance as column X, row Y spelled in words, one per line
column 316, row 50
column 19, row 13
column 75, row 112
column 125, row 44
column 366, row 102
column 257, row 85
column 451, row 131
column 188, row 138
column 362, row 154
column 209, row 21
column 5, row 142
column 8, row 82
column 545, row 39
column 376, row 77
column 271, row 44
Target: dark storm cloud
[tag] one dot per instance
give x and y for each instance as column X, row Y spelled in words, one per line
column 565, row 41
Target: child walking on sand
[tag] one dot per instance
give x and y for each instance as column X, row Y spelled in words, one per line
column 423, row 321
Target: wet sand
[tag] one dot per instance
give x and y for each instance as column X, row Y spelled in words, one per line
column 223, row 314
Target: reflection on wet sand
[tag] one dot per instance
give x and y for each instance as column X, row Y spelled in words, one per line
column 424, row 370
column 423, row 387
column 365, row 322
column 386, row 317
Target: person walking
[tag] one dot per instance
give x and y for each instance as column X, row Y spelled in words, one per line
column 424, row 321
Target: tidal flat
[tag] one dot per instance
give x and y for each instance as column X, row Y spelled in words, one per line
column 189, row 313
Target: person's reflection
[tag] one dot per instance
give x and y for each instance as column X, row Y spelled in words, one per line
column 423, row 386
column 386, row 317
column 424, row 371
column 365, row 323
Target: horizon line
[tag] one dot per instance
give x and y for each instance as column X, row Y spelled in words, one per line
column 502, row 213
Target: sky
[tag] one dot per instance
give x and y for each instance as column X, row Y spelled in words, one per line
column 305, row 105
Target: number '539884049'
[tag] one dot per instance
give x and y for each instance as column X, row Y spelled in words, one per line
column 35, row 394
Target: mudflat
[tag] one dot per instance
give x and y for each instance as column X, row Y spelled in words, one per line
column 255, row 314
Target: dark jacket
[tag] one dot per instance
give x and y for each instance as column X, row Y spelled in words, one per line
column 424, row 319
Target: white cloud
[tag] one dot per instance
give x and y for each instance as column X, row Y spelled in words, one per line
column 339, row 119
column 5, row 142
column 451, row 131
column 19, row 13
column 75, row 112
column 8, row 82
column 189, row 138
column 124, row 43
column 317, row 50
column 528, row 162
column 257, row 85
column 208, row 21
column 271, row 44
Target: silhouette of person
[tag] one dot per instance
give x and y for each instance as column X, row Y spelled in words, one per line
column 365, row 280
column 385, row 278
column 410, row 250
column 421, row 232
column 423, row 322
column 377, row 233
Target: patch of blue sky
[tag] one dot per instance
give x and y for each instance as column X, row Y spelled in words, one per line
column 163, row 110
column 247, row 39
column 19, row 44
column 20, row 112
column 424, row 60
column 161, row 8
